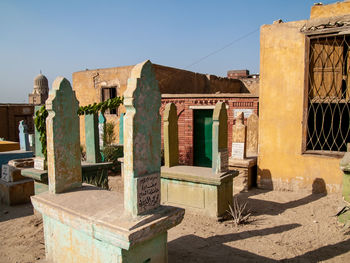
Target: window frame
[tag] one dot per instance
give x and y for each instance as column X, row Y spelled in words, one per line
column 308, row 37
column 104, row 99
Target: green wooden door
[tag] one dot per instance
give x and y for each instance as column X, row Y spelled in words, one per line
column 202, row 137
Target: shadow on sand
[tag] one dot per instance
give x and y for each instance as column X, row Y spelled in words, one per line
column 192, row 248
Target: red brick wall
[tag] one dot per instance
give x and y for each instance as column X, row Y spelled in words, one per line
column 11, row 115
column 185, row 122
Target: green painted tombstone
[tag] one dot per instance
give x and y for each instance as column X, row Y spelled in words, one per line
column 101, row 128
column 121, row 129
column 63, row 148
column 219, row 142
column 92, row 141
column 170, row 135
column 23, row 136
column 142, row 141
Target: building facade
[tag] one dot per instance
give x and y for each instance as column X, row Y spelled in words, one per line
column 304, row 100
column 40, row 92
column 194, row 94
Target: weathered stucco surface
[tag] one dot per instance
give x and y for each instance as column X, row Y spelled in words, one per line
column 282, row 62
column 63, row 149
column 336, row 9
column 88, row 84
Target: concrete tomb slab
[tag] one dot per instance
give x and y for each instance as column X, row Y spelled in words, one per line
column 219, row 141
column 239, row 138
column 142, row 136
column 63, row 146
column 23, row 136
column 88, row 224
column 92, row 143
column 238, row 160
column 16, row 189
column 170, row 131
column 197, row 189
column 252, row 135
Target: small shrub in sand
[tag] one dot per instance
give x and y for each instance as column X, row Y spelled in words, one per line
column 238, row 212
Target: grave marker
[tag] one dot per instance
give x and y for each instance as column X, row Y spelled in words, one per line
column 142, row 141
column 101, row 128
column 219, row 144
column 23, row 136
column 63, row 148
column 121, row 129
column 170, row 134
column 252, row 134
column 92, row 141
column 239, row 135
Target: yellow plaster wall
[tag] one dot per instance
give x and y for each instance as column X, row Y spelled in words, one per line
column 170, row 81
column 336, row 9
column 281, row 162
column 88, row 93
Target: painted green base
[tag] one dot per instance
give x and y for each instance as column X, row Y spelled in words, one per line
column 66, row 244
column 346, row 186
column 197, row 189
column 344, row 218
column 40, row 187
column 89, row 225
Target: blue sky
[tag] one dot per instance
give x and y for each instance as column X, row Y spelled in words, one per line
column 61, row 37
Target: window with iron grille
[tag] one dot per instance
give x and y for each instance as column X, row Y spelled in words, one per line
column 109, row 93
column 328, row 112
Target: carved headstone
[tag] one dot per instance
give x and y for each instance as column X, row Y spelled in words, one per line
column 10, row 173
column 170, row 135
column 252, row 134
column 219, row 142
column 23, row 136
column 92, row 141
column 239, row 135
column 101, row 128
column 121, row 129
column 142, row 141
column 63, row 144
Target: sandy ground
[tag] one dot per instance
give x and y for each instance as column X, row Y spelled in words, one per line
column 284, row 226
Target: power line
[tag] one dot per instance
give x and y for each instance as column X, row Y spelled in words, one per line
column 222, row 48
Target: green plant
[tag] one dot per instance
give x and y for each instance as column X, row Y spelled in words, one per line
column 40, row 125
column 41, row 115
column 102, row 106
column 111, row 153
column 238, row 212
column 83, row 152
column 99, row 179
column 108, row 133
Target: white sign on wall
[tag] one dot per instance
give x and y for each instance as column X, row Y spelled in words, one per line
column 238, row 150
column 246, row 112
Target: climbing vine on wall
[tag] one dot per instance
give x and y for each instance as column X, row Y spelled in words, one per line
column 40, row 125
column 41, row 115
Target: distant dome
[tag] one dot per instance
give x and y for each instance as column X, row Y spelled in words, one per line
column 41, row 84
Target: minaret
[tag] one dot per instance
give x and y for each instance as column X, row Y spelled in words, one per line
column 41, row 90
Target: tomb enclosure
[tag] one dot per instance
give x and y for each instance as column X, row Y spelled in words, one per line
column 239, row 160
column 84, row 223
column 14, row 188
column 203, row 190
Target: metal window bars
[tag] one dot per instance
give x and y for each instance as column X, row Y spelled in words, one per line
column 328, row 121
